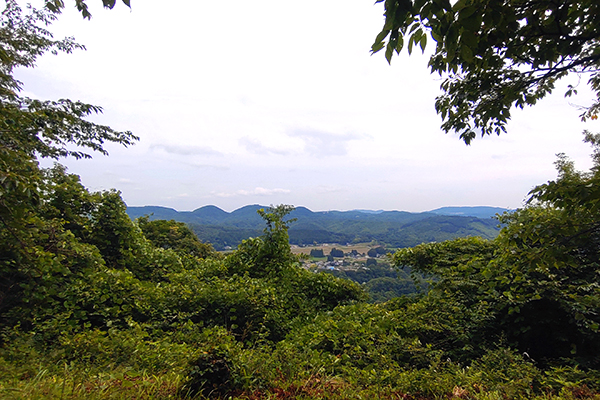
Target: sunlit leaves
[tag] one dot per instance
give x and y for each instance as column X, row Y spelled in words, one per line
column 176, row 236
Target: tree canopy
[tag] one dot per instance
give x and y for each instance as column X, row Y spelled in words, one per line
column 31, row 128
column 31, row 219
column 496, row 54
column 43, row 128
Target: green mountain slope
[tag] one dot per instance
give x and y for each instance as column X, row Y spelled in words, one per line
column 394, row 228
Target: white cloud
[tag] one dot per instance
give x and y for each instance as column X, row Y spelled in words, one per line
column 179, row 196
column 321, row 143
column 259, row 191
column 185, row 150
column 256, row 147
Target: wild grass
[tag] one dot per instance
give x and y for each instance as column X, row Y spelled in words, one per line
column 130, row 385
column 117, row 384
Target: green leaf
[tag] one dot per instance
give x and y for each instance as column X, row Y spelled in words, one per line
column 451, row 41
column 382, row 35
column 466, row 12
column 389, row 52
column 377, row 46
column 400, row 44
column 470, row 39
column 472, row 22
column 109, row 3
column 423, row 43
column 459, row 5
column 445, row 4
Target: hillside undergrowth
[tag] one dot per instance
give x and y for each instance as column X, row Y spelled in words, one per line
column 105, row 307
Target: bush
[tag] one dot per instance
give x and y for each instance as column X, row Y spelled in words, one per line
column 317, row 253
column 212, row 372
column 336, row 253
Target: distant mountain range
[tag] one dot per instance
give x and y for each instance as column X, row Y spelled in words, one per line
column 479, row 212
column 394, row 228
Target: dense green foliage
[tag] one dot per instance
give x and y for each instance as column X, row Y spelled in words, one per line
column 42, row 234
column 514, row 317
column 537, row 286
column 317, row 253
column 381, row 281
column 497, row 54
column 174, row 235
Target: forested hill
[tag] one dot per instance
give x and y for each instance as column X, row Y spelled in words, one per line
column 395, row 228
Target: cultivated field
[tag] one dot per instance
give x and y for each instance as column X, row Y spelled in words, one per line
column 361, row 248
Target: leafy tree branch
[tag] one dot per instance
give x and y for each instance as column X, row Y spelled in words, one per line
column 496, row 54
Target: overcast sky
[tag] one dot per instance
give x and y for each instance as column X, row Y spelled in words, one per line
column 276, row 101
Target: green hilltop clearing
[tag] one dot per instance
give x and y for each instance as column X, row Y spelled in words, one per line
column 95, row 305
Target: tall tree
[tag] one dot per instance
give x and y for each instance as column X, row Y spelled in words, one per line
column 30, row 129
column 496, row 54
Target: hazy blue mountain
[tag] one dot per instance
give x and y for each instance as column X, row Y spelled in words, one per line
column 156, row 212
column 395, row 228
column 247, row 211
column 479, row 211
column 210, row 213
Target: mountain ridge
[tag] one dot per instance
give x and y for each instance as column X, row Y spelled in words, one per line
column 214, row 211
column 394, row 228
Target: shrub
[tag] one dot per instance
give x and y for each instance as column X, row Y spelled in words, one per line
column 212, row 372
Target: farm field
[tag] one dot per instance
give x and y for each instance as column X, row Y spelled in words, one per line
column 361, row 248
